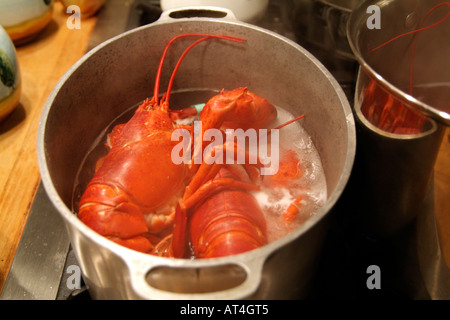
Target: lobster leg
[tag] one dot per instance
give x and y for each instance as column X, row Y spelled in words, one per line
column 138, row 243
column 289, row 171
column 208, row 169
column 174, row 245
column 212, row 186
column 184, row 113
column 292, row 211
column 203, row 185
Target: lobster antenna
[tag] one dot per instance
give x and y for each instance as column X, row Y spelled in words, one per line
column 172, row 78
column 161, row 62
column 286, row 123
column 169, row 87
column 415, row 32
column 290, row 121
column 158, row 72
column 413, row 50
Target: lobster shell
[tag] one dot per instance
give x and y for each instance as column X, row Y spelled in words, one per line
column 229, row 222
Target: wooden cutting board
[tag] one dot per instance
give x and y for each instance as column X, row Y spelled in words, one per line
column 42, row 63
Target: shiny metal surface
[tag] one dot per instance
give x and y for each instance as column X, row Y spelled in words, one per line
column 432, row 265
column 112, row 20
column 344, row 5
column 282, row 269
column 431, row 63
column 322, row 24
column 38, row 265
column 393, row 172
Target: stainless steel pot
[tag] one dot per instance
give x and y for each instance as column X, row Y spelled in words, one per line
column 118, row 74
column 393, row 172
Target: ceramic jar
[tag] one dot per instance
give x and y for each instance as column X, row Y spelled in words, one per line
column 87, row 7
column 10, row 86
column 25, row 19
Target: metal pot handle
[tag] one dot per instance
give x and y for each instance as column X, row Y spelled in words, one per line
column 197, row 12
column 140, row 269
column 144, row 290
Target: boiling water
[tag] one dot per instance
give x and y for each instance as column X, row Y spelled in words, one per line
column 311, row 184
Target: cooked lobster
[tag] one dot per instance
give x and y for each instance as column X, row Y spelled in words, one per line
column 134, row 196
column 389, row 114
column 221, row 217
column 228, row 222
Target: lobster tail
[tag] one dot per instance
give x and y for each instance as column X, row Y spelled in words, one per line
column 226, row 222
column 229, row 222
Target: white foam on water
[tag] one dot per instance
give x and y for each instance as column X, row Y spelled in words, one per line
column 310, row 185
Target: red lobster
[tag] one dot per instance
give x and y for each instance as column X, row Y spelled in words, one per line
column 228, row 222
column 132, row 196
column 224, row 218
column 389, row 114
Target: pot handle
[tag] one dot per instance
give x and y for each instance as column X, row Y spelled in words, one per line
column 213, row 12
column 144, row 289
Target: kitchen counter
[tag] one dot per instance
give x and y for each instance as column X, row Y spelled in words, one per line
column 42, row 63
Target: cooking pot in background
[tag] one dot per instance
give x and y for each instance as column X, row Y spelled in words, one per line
column 395, row 163
column 120, row 73
column 395, row 160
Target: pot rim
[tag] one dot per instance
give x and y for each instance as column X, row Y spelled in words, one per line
column 353, row 25
column 130, row 256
